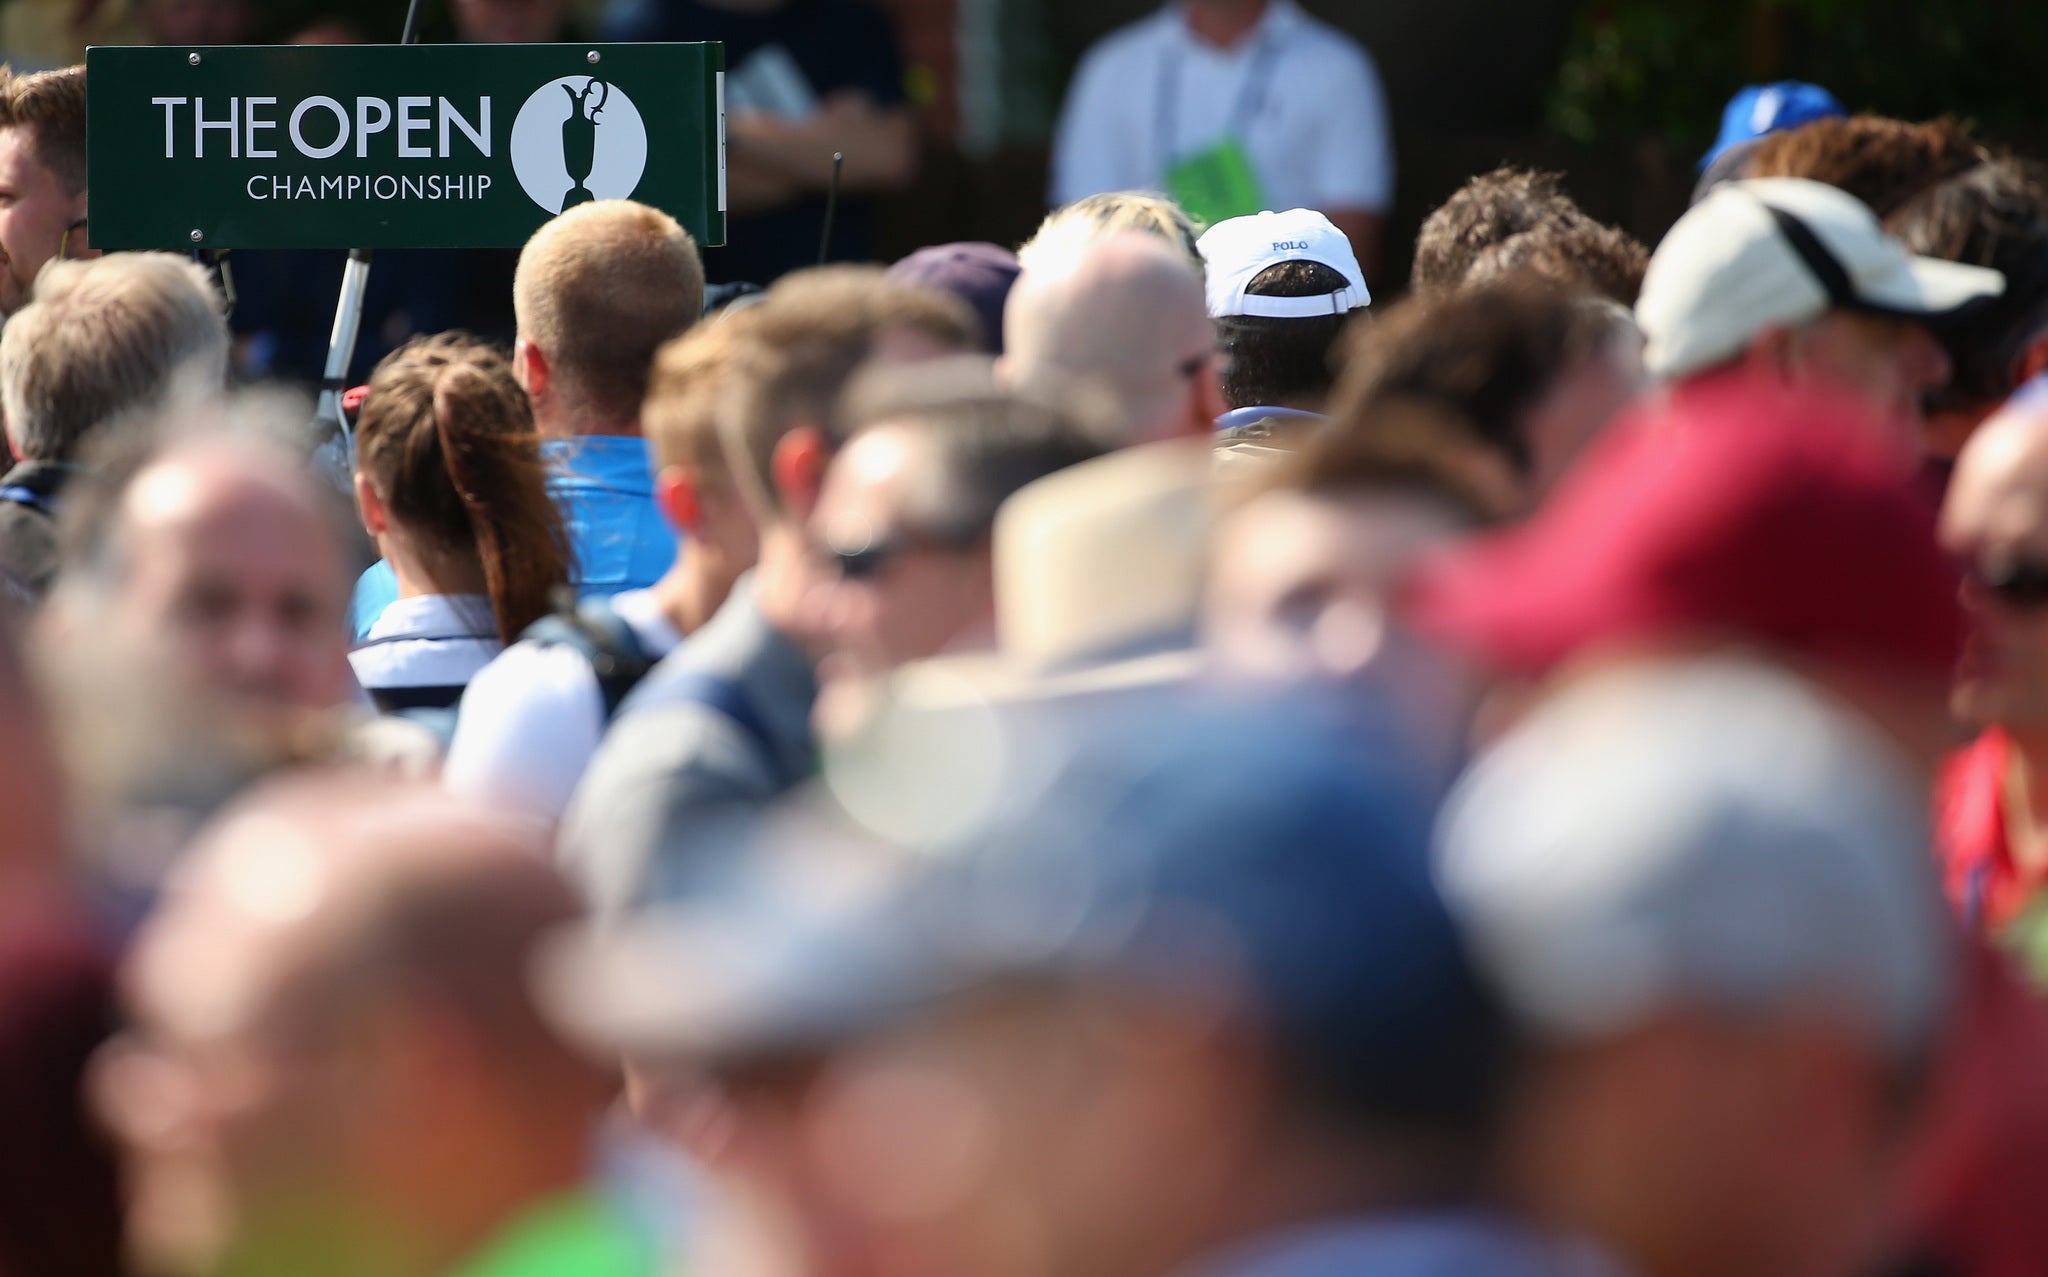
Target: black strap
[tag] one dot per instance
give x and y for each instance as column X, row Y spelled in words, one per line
column 1822, row 264
column 398, row 700
column 596, row 631
column 42, row 504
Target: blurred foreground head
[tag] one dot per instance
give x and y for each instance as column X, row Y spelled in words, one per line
column 1795, row 281
column 1144, row 1017
column 1127, row 312
column 1738, row 515
column 335, row 1066
column 1710, row 896
column 196, row 636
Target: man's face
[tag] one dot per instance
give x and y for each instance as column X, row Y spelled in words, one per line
column 895, row 591
column 1995, row 521
column 35, row 213
column 1891, row 363
column 238, row 584
column 509, row 21
column 1303, row 592
column 1583, row 402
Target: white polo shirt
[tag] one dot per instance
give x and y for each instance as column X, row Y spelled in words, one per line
column 1301, row 96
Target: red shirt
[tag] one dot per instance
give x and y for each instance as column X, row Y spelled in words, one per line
column 1988, row 887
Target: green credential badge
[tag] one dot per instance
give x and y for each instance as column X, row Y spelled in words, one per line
column 433, row 146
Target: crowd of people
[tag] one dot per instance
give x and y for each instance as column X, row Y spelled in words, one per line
column 1133, row 757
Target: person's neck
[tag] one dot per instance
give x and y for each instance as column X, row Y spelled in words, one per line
column 2026, row 791
column 782, row 578
column 1225, row 23
column 692, row 590
column 424, row 574
column 561, row 422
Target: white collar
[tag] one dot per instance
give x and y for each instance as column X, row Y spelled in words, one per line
column 435, row 616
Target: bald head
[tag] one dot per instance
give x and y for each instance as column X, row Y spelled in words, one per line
column 358, row 949
column 1127, row 312
column 218, row 561
column 1995, row 521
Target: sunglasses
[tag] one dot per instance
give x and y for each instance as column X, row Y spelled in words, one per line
column 871, row 558
column 2020, row 584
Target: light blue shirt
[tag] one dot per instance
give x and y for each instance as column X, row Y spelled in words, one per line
column 604, row 485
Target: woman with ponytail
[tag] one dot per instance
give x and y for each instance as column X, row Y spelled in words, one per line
column 452, row 487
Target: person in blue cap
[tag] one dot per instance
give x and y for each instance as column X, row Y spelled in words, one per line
column 1755, row 112
column 1143, row 1024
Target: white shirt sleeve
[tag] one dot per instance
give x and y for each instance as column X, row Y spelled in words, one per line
column 1098, row 147
column 1357, row 149
column 529, row 723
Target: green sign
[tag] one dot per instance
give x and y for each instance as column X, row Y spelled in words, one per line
column 384, row 146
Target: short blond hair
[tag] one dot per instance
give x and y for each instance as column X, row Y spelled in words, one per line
column 51, row 104
column 680, row 417
column 598, row 290
column 1069, row 229
column 113, row 337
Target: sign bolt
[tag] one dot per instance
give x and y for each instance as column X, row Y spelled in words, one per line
column 593, row 57
column 193, row 58
column 199, row 237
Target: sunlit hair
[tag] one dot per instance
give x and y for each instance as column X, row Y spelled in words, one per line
column 103, row 339
column 1066, row 231
column 51, row 104
column 448, row 442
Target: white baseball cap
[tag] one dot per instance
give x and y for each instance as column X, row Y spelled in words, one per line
column 1237, row 250
column 1780, row 252
column 1700, row 833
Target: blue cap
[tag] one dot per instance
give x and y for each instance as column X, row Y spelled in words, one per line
column 1254, row 858
column 1758, row 109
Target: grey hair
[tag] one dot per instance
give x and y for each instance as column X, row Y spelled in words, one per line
column 117, row 337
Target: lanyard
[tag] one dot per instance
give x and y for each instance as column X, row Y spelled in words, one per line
column 1251, row 98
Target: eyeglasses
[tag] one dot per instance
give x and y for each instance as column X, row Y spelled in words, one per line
column 64, row 244
column 874, row 555
column 2017, row 583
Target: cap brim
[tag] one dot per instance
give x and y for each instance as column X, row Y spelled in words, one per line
column 1930, row 288
column 721, row 986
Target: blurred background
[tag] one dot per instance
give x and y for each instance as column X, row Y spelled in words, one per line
column 1623, row 95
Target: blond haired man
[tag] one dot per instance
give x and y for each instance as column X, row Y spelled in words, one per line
column 597, row 292
column 532, row 718
column 42, row 177
column 105, row 341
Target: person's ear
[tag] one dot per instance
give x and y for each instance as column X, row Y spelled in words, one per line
column 530, row 368
column 1208, row 399
column 677, row 496
column 376, row 518
column 798, row 466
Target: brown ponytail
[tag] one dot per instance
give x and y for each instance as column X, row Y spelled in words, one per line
column 447, row 439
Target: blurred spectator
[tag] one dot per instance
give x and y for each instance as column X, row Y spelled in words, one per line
column 723, row 724
column 1996, row 523
column 511, row 21
column 106, row 343
column 1281, row 287
column 1140, row 968
column 335, row 1065
column 1232, row 107
column 452, row 488
column 40, row 35
column 1994, row 215
column 1531, row 376
column 804, row 78
column 532, row 718
column 183, row 22
column 905, row 515
column 42, row 168
column 1584, row 254
column 1794, row 281
column 1759, row 110
column 60, row 1199
column 1488, row 210
column 1305, row 577
column 599, row 289
column 1882, row 162
column 1123, row 312
column 1776, row 524
column 1069, row 229
column 1707, row 894
column 979, row 274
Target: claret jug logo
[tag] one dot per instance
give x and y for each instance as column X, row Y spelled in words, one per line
column 578, row 139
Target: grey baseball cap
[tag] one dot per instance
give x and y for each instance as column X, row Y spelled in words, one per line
column 1699, row 832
